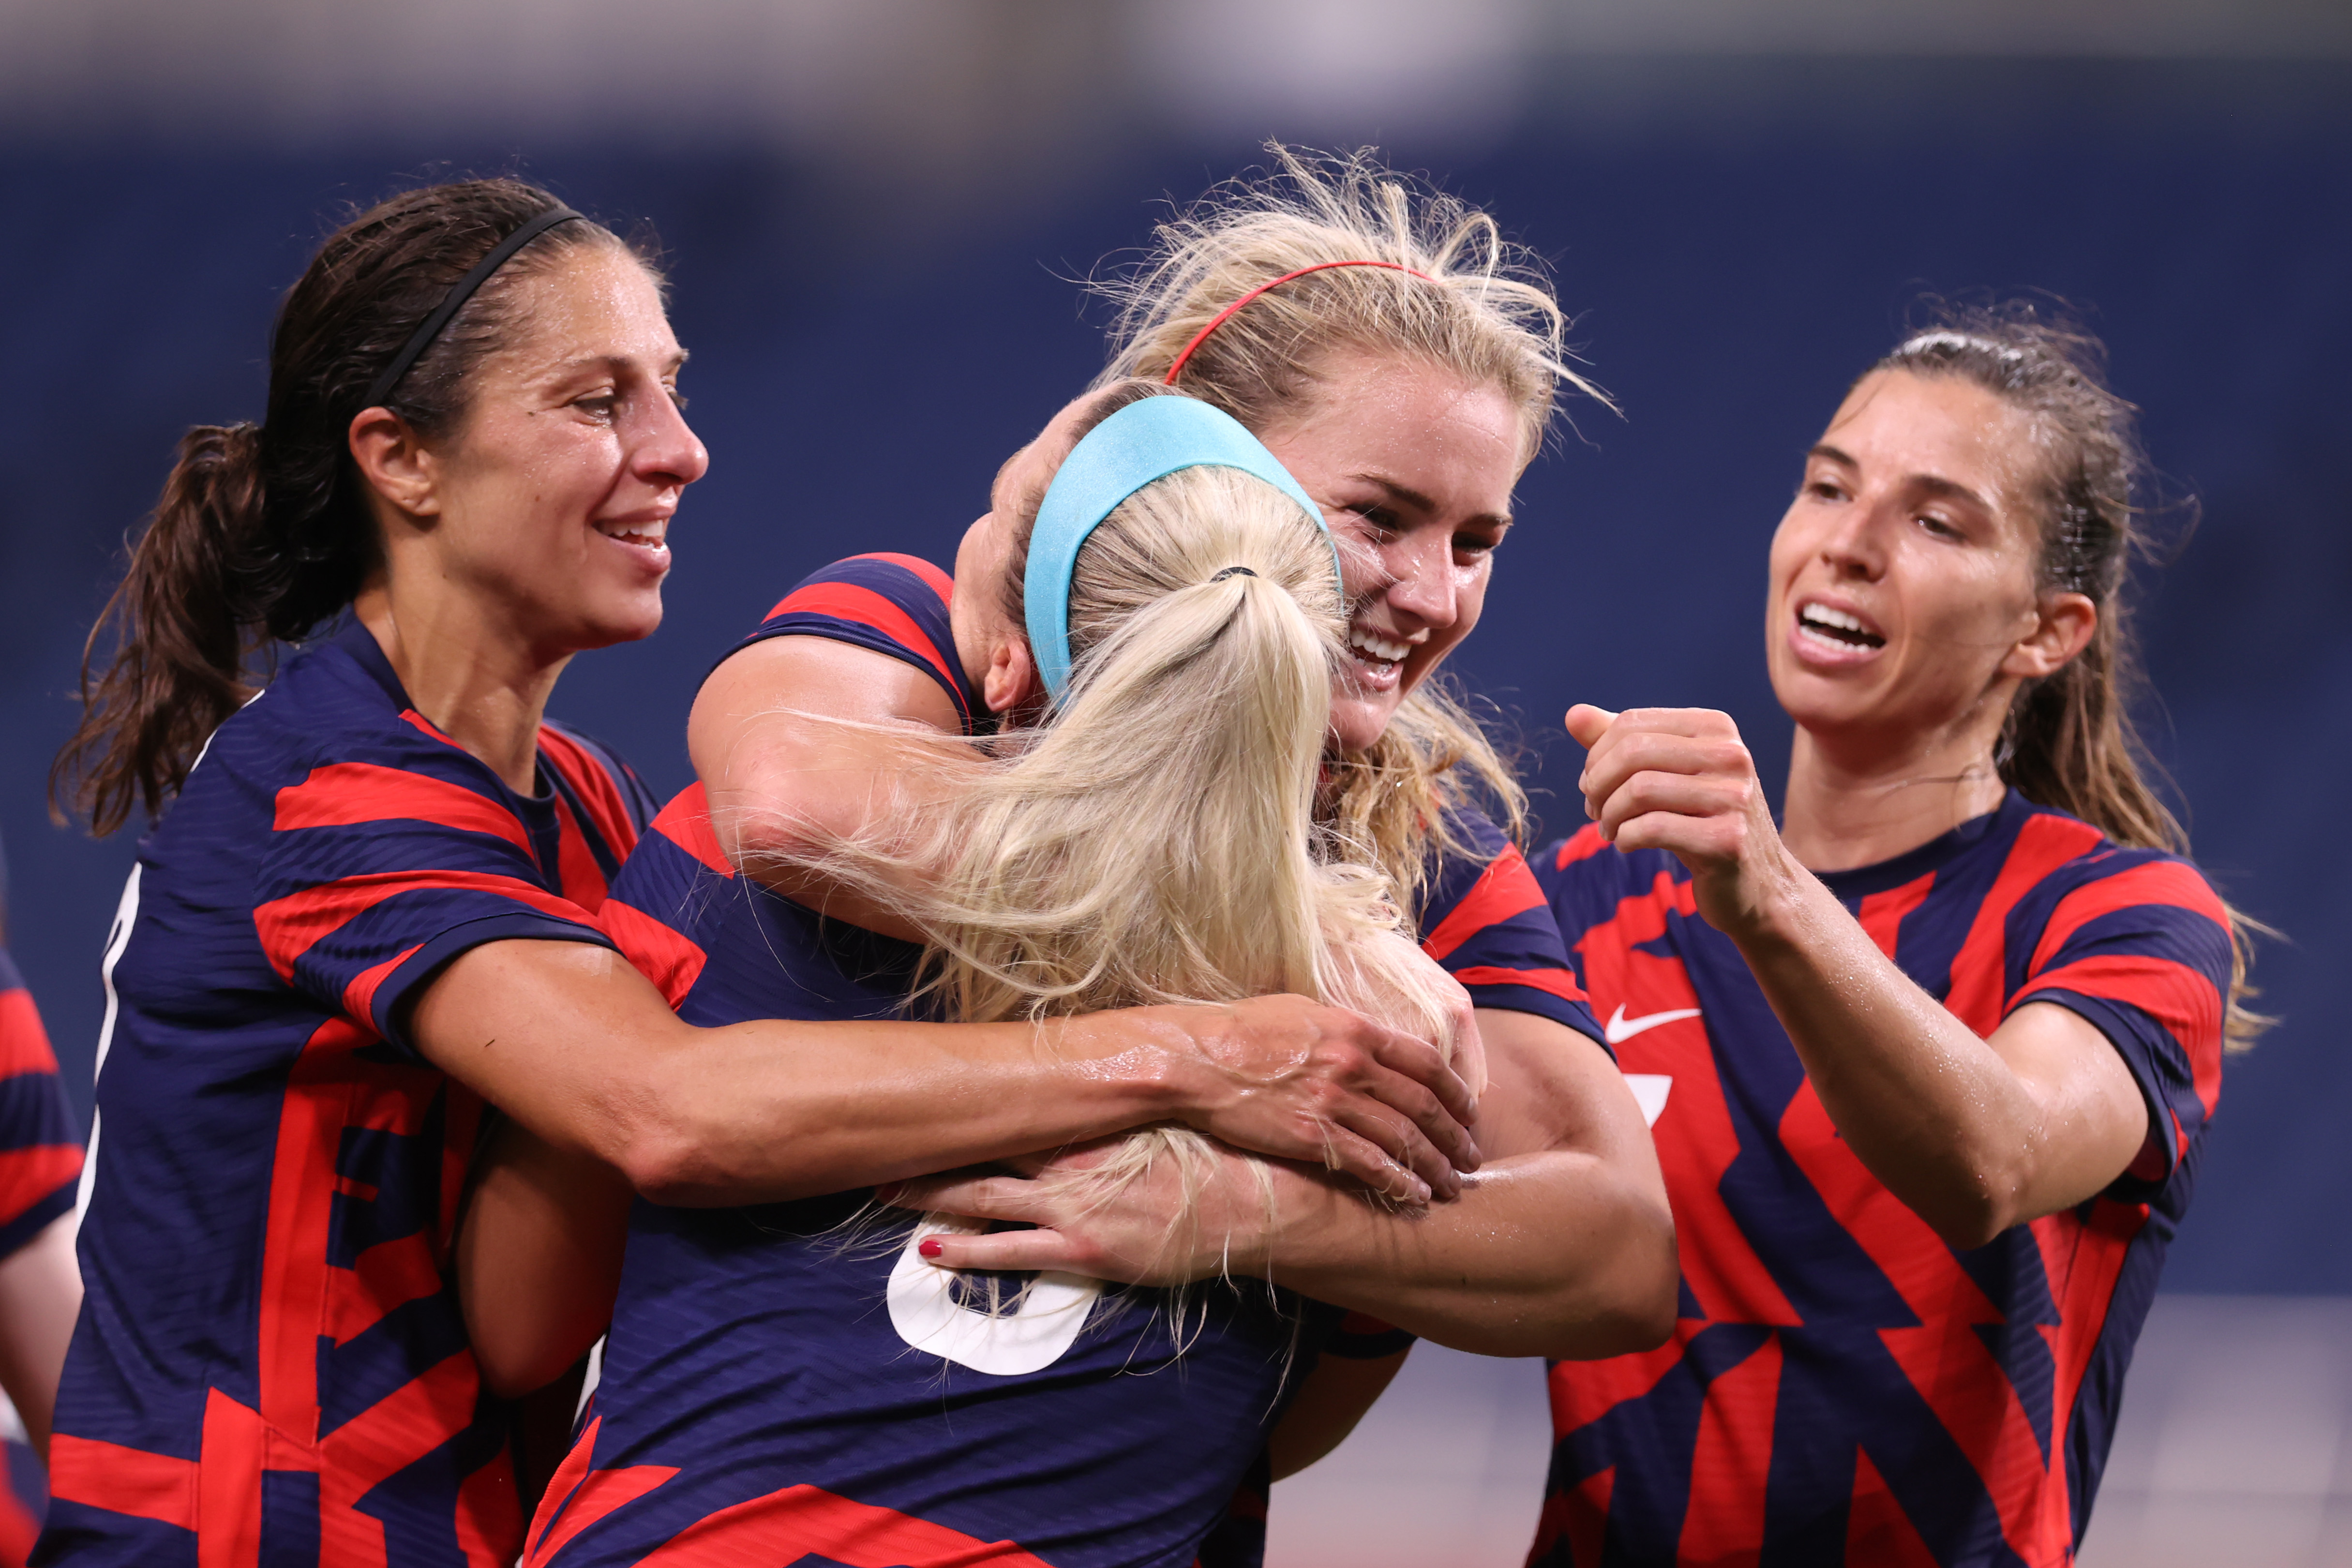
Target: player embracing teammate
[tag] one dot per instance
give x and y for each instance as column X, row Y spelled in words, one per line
column 1928, row 1062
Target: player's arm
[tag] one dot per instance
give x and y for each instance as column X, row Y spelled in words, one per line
column 1974, row 1134
column 538, row 1258
column 40, row 1295
column 1562, row 1245
column 1331, row 1399
column 573, row 1043
column 793, row 740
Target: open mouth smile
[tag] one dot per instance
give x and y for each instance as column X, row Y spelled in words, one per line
column 1841, row 633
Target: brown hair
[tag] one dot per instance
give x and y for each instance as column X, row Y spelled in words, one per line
column 263, row 531
column 1481, row 308
column 2068, row 741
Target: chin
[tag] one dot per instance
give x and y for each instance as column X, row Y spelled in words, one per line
column 1356, row 723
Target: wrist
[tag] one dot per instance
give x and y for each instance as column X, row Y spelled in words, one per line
column 1144, row 1060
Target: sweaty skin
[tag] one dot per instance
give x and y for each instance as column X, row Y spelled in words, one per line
column 1561, row 1244
column 1913, row 528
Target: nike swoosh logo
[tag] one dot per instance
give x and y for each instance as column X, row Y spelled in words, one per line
column 1620, row 1029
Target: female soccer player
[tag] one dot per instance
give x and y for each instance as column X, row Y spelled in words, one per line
column 772, row 1389
column 370, row 910
column 1387, row 348
column 1930, row 1063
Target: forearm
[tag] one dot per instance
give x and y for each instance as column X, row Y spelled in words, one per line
column 572, row 1043
column 1560, row 1254
column 1928, row 1106
column 40, row 1295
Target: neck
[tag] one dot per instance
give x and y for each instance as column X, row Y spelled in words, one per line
column 482, row 688
column 1855, row 800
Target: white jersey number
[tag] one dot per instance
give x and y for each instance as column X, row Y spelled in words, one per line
column 1029, row 1337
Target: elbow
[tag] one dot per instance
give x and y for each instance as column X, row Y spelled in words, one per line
column 1969, row 1209
column 1965, row 1221
column 1640, row 1309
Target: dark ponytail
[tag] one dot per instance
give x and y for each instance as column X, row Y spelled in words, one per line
column 2068, row 741
column 264, row 531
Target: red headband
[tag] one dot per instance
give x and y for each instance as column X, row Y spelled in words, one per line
column 1201, row 335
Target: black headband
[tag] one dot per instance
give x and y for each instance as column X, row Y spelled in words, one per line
column 455, row 301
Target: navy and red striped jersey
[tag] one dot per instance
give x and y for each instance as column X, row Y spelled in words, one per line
column 772, row 1390
column 270, row 1356
column 1482, row 917
column 779, row 1386
column 40, row 1164
column 1841, row 1386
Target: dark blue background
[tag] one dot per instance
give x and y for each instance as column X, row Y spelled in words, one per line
column 863, row 359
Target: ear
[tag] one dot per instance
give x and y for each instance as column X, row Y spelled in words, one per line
column 393, row 461
column 1011, row 680
column 2063, row 629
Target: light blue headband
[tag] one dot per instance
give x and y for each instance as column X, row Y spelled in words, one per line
column 1141, row 442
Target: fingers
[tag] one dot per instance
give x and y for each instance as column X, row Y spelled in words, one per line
column 1587, row 724
column 1624, row 754
column 977, row 1197
column 1675, row 794
column 1016, row 1251
column 1391, row 1158
column 1443, row 1096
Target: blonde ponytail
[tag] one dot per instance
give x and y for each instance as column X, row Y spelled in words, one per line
column 1156, row 841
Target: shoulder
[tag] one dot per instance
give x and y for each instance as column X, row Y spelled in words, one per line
column 895, row 605
column 2058, row 866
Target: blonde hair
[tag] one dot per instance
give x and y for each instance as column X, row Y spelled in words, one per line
column 1155, row 841
column 1482, row 309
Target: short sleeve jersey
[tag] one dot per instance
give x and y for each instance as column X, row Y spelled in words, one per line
column 271, row 1357
column 1483, row 918
column 851, row 1441
column 1841, row 1386
column 40, row 1161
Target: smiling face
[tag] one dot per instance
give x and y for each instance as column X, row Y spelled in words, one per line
column 1903, row 601
column 553, row 499
column 1412, row 466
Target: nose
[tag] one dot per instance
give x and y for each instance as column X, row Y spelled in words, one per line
column 668, row 452
column 1421, row 577
column 1855, row 547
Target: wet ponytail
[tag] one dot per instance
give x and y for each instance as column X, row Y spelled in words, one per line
column 263, row 531
column 2068, row 742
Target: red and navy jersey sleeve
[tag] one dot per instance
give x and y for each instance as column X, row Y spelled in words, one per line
column 894, row 604
column 1487, row 922
column 2137, row 943
column 399, row 855
column 40, row 1150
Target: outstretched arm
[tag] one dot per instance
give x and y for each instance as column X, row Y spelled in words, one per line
column 1974, row 1134
column 573, row 1043
column 1561, row 1245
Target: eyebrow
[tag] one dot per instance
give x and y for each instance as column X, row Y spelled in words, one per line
column 1934, row 484
column 1414, row 498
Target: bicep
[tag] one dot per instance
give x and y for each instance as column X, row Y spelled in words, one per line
column 567, row 1037
column 2093, row 1119
column 1552, row 1088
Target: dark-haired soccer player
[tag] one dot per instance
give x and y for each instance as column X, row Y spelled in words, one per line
column 1930, row 1066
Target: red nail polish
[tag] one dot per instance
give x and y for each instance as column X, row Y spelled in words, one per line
column 930, row 1247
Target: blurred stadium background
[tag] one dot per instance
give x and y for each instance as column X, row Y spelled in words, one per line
column 877, row 214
